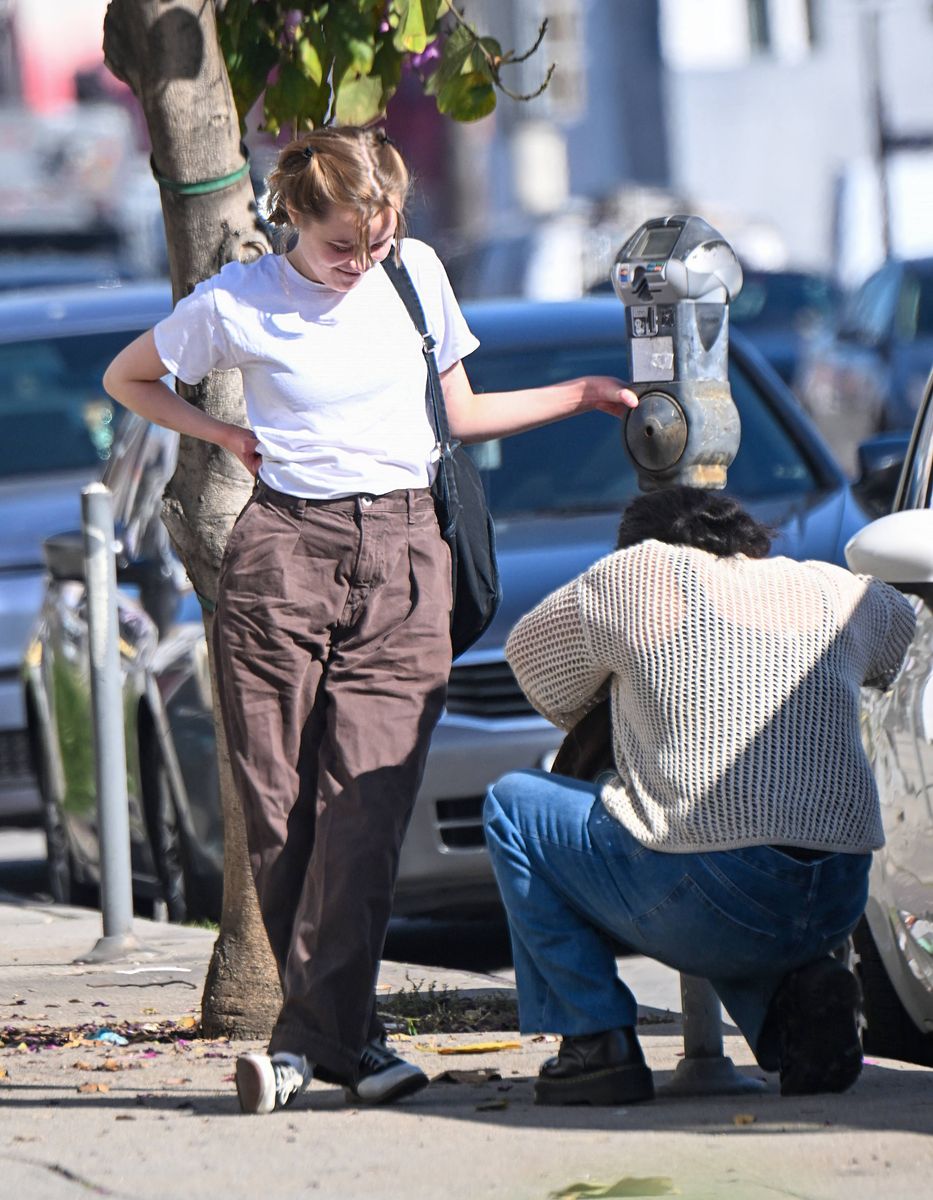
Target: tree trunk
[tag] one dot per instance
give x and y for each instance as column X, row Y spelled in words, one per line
column 168, row 54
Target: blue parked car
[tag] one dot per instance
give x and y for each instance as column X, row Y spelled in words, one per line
column 555, row 493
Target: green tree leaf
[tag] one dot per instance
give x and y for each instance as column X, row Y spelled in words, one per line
column 310, row 53
column 467, row 97
column 412, row 32
column 295, row 99
column 359, row 99
column 360, row 54
column 457, row 50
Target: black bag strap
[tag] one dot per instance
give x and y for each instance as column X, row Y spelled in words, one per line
column 402, row 282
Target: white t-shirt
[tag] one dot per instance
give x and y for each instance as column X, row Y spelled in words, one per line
column 334, row 381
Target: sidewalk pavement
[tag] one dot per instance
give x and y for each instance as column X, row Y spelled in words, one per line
column 157, row 1119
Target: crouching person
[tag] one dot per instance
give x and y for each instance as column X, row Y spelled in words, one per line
column 732, row 836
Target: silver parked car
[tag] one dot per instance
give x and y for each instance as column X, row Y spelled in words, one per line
column 555, row 493
column 58, row 427
column 894, row 942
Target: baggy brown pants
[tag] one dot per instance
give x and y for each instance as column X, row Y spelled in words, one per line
column 332, row 647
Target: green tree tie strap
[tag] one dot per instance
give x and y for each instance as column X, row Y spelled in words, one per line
column 205, row 186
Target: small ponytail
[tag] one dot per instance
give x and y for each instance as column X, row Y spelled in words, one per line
column 350, row 167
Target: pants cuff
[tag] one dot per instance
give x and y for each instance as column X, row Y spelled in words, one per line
column 332, row 1063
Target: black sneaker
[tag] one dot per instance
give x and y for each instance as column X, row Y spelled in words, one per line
column 599, row 1068
column 816, row 1010
column 384, row 1076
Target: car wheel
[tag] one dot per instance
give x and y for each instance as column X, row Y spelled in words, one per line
column 889, row 1031
column 165, row 835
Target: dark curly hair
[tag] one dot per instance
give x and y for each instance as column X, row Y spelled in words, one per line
column 689, row 516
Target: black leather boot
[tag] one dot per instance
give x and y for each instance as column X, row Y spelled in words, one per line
column 596, row 1068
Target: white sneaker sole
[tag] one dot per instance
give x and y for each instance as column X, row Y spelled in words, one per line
column 405, row 1084
column 255, row 1083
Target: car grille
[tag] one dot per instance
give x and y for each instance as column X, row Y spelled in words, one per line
column 460, row 823
column 15, row 760
column 486, row 689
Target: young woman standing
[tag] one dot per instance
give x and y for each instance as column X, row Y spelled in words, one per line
column 331, row 635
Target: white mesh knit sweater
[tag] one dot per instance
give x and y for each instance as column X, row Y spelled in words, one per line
column 734, row 687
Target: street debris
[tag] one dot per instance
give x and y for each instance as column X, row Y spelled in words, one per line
column 480, row 1075
column 108, row 1035
column 479, row 1048
column 39, row 1036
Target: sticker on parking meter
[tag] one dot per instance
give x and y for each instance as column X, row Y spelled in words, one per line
column 652, row 359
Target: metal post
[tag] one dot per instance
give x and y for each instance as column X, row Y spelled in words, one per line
column 704, row 1069
column 109, row 738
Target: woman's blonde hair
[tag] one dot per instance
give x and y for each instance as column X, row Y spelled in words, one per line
column 347, row 168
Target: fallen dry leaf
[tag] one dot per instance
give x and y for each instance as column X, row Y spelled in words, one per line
column 81, row 1065
column 87, row 1088
column 187, row 1022
column 744, row 1119
column 124, row 1117
column 3, row 1074
column 479, row 1048
column 177, row 1082
column 111, row 1064
column 492, row 1106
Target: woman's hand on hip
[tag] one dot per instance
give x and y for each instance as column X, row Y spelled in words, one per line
column 244, row 445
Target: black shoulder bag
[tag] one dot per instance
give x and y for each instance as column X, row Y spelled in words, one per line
column 459, row 499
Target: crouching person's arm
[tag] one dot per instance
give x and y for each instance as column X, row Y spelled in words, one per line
column 550, row 655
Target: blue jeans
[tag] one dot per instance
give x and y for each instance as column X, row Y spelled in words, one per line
column 573, row 879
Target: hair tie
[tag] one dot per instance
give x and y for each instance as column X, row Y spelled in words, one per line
column 384, row 140
column 308, row 152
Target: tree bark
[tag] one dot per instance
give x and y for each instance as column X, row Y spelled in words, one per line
column 168, row 53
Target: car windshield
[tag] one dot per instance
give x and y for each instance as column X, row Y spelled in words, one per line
column 580, row 466
column 55, row 414
column 780, row 300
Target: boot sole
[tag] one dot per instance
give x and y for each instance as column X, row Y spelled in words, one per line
column 820, row 1046
column 610, row 1087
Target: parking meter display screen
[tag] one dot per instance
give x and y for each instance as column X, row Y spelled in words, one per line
column 658, row 243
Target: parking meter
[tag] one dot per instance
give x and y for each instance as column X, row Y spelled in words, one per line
column 676, row 276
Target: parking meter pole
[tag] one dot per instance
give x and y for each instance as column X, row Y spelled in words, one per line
column 109, row 740
column 705, row 1070
column 676, row 276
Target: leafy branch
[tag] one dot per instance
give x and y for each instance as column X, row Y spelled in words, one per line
column 496, row 61
column 311, row 62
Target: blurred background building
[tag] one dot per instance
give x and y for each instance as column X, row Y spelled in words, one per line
column 772, row 118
